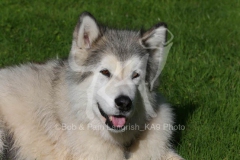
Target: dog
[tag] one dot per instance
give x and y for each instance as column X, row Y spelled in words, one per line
column 98, row 104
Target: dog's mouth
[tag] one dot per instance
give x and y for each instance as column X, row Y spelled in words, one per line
column 116, row 122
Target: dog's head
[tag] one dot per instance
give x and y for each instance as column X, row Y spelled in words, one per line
column 113, row 65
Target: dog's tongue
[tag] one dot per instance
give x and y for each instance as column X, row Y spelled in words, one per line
column 118, row 121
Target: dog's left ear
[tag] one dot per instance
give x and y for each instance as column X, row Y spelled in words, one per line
column 154, row 41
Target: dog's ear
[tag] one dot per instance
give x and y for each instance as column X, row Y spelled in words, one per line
column 86, row 31
column 154, row 41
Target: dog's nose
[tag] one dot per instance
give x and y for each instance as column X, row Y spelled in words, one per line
column 123, row 103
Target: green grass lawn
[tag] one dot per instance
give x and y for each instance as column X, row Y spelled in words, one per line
column 202, row 74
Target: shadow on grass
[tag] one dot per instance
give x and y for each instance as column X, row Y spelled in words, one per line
column 183, row 113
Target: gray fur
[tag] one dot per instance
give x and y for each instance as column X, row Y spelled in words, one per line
column 124, row 44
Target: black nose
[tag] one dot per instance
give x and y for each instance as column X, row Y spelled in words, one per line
column 123, row 103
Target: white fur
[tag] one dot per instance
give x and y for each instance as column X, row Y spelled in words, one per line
column 33, row 116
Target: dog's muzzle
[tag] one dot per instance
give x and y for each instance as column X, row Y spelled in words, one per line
column 116, row 122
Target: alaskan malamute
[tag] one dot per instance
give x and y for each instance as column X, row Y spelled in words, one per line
column 100, row 104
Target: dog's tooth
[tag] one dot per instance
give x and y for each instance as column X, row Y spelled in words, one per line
column 110, row 118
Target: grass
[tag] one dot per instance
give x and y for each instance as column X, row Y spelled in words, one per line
column 202, row 75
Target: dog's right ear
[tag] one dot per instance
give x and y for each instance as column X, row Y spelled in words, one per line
column 154, row 41
column 86, row 31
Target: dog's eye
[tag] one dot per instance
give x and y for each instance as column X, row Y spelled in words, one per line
column 135, row 75
column 105, row 72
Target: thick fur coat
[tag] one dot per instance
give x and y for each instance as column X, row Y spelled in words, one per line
column 99, row 104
